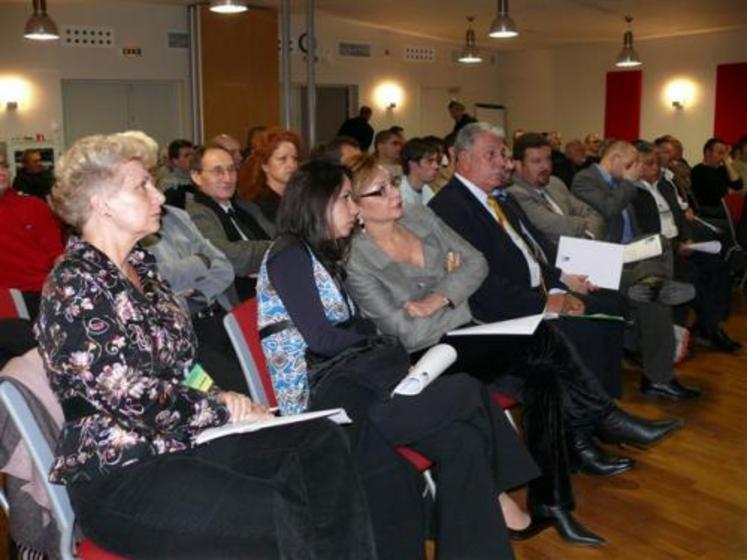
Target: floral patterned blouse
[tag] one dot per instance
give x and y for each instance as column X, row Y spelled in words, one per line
column 119, row 355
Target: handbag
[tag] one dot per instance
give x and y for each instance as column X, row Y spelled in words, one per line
column 377, row 364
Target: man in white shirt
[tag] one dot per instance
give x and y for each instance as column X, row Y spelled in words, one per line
column 420, row 166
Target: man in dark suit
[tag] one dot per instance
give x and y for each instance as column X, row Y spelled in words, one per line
column 709, row 273
column 459, row 113
column 610, row 188
column 520, row 280
column 226, row 222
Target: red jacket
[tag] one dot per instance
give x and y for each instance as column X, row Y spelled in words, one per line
column 30, row 241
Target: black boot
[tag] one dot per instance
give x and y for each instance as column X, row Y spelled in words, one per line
column 566, row 525
column 587, row 457
column 620, row 427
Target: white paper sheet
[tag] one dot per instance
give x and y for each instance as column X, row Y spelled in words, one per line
column 643, row 249
column 520, row 326
column 337, row 415
column 710, row 247
column 602, row 262
column 432, row 364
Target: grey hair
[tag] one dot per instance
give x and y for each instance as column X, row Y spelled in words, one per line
column 92, row 165
column 468, row 135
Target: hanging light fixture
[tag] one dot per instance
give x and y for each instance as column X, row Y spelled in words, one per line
column 227, row 6
column 503, row 26
column 40, row 26
column 470, row 54
column 628, row 57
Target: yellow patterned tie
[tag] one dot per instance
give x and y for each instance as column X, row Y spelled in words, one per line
column 498, row 211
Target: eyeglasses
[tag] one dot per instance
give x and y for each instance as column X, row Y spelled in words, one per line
column 383, row 190
column 219, row 171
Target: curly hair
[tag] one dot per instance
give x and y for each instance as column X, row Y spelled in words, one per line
column 252, row 178
column 92, row 165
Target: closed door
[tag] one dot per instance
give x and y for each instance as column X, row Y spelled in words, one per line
column 107, row 106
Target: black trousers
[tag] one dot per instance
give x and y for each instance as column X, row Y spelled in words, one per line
column 289, row 492
column 712, row 280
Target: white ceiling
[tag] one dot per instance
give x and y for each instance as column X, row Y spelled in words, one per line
column 541, row 23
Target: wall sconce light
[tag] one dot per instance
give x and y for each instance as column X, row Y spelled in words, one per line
column 680, row 93
column 11, row 105
column 13, row 91
column 389, row 95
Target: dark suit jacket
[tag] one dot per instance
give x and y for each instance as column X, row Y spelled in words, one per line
column 506, row 292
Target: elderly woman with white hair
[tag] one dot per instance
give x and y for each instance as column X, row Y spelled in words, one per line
column 119, row 350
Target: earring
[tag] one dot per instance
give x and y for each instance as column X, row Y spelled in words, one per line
column 361, row 223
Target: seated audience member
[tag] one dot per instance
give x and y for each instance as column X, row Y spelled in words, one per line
column 387, row 149
column 670, row 151
column 262, row 179
column 610, row 187
column 561, row 165
column 226, row 222
column 358, row 127
column 231, row 145
column 251, row 136
column 174, row 180
column 315, row 345
column 714, row 177
column 575, row 153
column 412, row 275
column 662, row 214
column 739, row 155
column 443, row 175
column 30, row 241
column 521, row 279
column 593, row 146
column 116, row 344
column 545, row 199
column 459, row 113
column 201, row 276
column 420, row 165
column 337, row 149
column 33, row 177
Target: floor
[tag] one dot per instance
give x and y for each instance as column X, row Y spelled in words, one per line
column 687, row 498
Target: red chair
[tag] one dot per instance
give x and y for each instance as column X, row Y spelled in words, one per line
column 12, row 305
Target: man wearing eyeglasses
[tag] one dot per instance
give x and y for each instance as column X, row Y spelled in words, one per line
column 225, row 221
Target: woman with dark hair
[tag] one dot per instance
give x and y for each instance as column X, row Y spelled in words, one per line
column 308, row 322
column 119, row 352
column 264, row 176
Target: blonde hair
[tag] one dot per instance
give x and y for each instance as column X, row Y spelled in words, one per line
column 363, row 167
column 92, row 165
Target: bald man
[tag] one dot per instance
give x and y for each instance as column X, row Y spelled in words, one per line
column 231, row 145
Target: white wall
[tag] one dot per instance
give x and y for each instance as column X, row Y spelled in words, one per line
column 41, row 66
column 477, row 83
column 564, row 88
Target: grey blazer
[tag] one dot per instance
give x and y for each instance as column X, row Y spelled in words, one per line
column 589, row 186
column 381, row 286
column 578, row 217
column 176, row 247
column 245, row 256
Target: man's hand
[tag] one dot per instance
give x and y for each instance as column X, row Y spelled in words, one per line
column 427, row 306
column 564, row 304
column 690, row 215
column 578, row 283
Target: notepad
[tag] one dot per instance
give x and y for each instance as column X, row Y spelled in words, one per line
column 337, row 415
column 519, row 326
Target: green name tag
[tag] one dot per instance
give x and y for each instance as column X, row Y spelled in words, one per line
column 198, row 379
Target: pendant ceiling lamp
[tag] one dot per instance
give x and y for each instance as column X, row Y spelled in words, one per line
column 40, row 26
column 227, row 6
column 503, row 26
column 628, row 57
column 470, row 54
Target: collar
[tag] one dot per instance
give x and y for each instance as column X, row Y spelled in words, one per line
column 476, row 191
column 606, row 176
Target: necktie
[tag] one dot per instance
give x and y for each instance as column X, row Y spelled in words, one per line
column 232, row 216
column 550, row 203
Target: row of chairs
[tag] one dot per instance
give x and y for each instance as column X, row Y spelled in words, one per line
column 241, row 325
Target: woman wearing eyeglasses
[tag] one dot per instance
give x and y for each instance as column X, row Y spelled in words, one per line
column 304, row 313
column 413, row 276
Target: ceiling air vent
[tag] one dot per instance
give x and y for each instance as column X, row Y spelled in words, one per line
column 420, row 54
column 354, row 50
column 178, row 40
column 87, row 36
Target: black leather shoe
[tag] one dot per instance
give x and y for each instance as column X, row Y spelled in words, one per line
column 567, row 527
column 588, row 458
column 535, row 527
column 722, row 342
column 620, row 427
column 672, row 390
